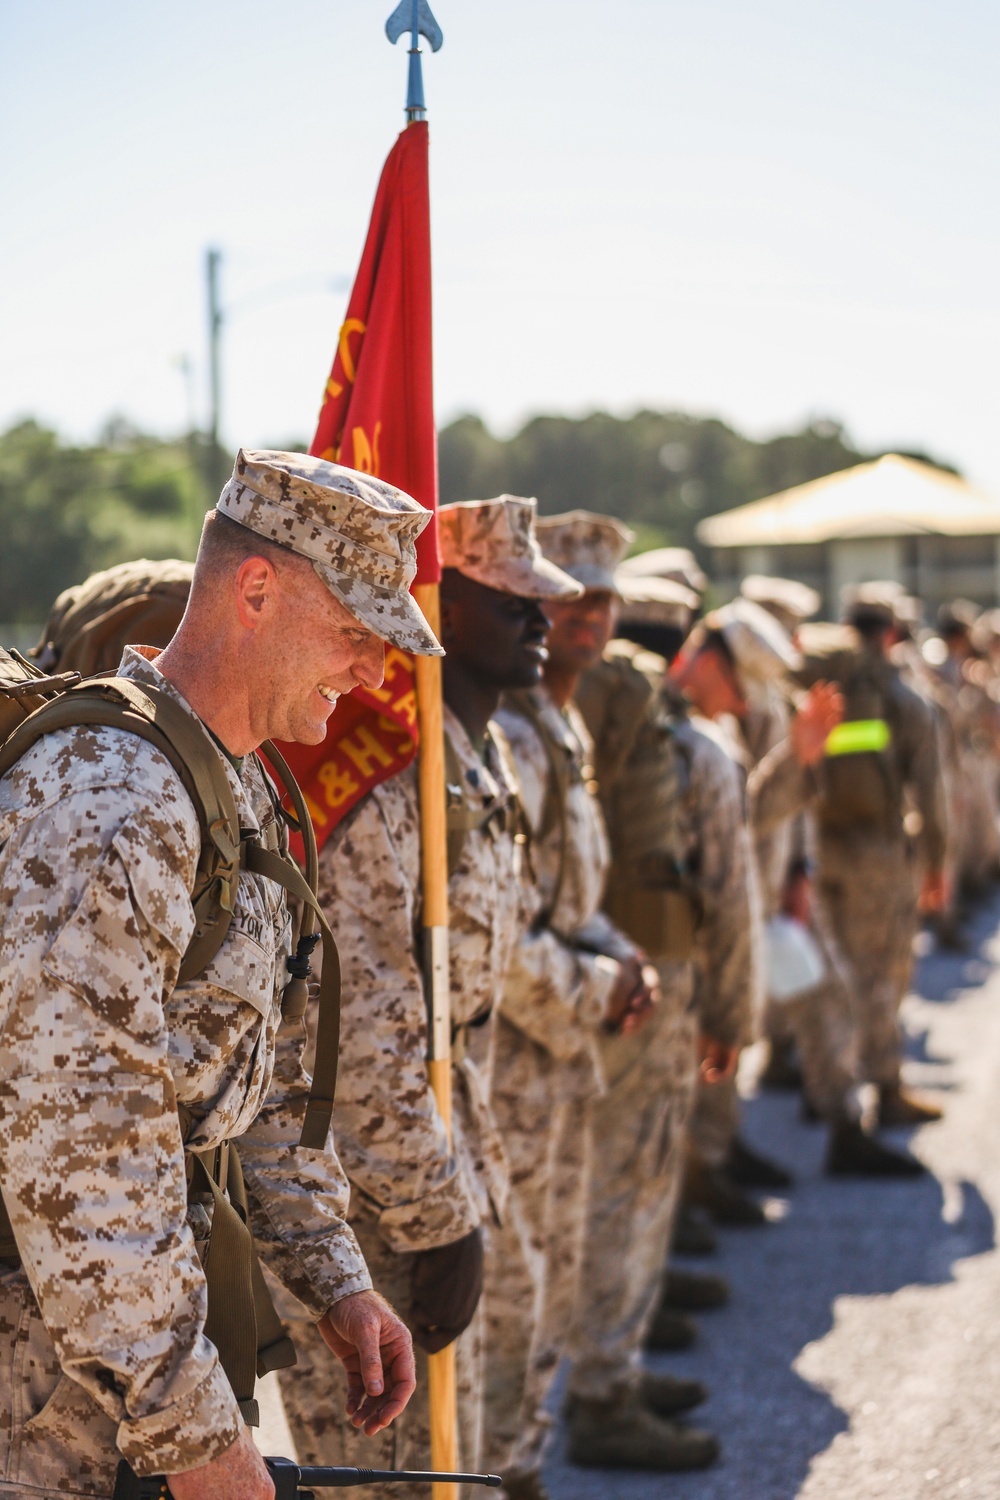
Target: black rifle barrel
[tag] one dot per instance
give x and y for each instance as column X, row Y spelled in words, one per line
column 288, row 1477
column 343, row 1478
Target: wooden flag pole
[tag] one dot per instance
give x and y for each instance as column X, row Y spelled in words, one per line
column 442, row 1390
column 415, row 17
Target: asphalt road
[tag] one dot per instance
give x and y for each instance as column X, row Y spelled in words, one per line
column 860, row 1356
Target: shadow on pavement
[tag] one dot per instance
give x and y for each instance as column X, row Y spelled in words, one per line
column 840, row 1238
column 942, row 973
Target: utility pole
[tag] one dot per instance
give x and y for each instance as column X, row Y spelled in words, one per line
column 216, row 479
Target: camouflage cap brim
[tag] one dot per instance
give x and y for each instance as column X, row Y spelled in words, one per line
column 493, row 542
column 530, row 578
column 390, row 614
column 593, row 576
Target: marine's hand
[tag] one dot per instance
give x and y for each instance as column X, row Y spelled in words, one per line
column 933, row 892
column 819, row 713
column 631, row 1001
column 239, row 1474
column 643, row 1002
column 716, row 1059
column 376, row 1350
column 445, row 1288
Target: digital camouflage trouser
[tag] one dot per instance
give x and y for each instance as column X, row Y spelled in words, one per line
column 639, row 1134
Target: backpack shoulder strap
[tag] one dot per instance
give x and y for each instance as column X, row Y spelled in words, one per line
column 118, row 703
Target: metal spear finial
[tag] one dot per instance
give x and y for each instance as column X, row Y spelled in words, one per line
column 415, row 17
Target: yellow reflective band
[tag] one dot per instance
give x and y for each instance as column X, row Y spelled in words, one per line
column 857, row 736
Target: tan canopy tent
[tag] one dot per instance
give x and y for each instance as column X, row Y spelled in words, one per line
column 894, row 518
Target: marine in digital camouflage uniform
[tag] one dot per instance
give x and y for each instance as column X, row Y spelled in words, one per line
column 731, row 669
column 822, row 1025
column 963, row 682
column 748, row 717
column 102, row 1346
column 907, row 655
column 567, row 974
column 783, row 755
column 413, row 1198
column 681, row 885
column 857, row 857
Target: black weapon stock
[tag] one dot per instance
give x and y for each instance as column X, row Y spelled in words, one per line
column 294, row 1483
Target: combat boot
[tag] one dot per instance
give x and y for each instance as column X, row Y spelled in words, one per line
column 663, row 1395
column 853, row 1153
column 782, row 1072
column 749, row 1169
column 693, row 1291
column 670, row 1331
column 713, row 1189
column 948, row 931
column 622, row 1434
column 668, row 1396
column 897, row 1107
column 692, row 1235
column 524, row 1484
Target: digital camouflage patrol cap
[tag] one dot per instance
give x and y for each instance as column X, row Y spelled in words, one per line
column 788, row 600
column 358, row 532
column 587, row 546
column 676, row 563
column 494, row 542
column 656, row 601
column 870, row 602
column 761, row 648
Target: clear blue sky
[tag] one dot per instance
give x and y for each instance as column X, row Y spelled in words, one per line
column 764, row 211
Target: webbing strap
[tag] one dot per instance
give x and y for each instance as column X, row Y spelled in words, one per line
column 231, row 1320
column 241, row 1322
column 319, row 1110
column 858, row 737
column 556, row 793
column 274, row 1349
column 295, row 997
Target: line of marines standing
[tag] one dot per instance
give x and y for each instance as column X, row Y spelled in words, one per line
column 669, row 834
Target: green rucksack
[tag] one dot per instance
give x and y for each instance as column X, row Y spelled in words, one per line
column 643, row 777
column 859, row 775
column 89, row 624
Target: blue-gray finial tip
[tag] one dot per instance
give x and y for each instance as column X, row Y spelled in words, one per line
column 414, row 16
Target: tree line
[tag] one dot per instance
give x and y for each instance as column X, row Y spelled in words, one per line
column 67, row 509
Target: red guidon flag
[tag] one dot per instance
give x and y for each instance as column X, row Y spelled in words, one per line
column 378, row 416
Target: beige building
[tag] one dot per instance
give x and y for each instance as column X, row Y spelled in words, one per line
column 894, row 518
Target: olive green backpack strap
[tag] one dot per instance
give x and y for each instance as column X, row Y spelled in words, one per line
column 319, row 1110
column 241, row 1319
